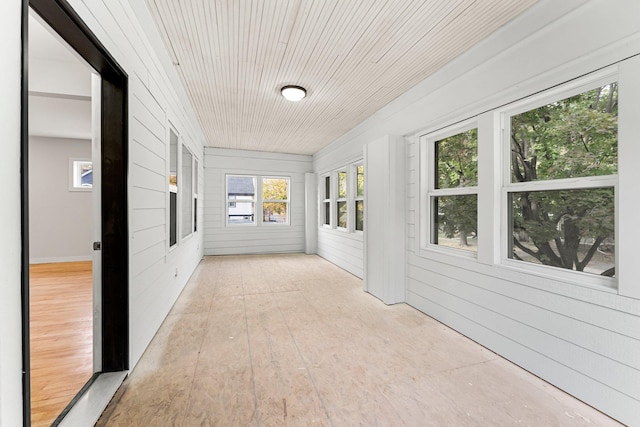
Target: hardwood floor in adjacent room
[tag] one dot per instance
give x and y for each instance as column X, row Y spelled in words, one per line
column 277, row 340
column 61, row 330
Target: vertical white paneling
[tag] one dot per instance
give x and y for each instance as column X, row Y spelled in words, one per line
column 311, row 213
column 384, row 217
column 220, row 239
column 628, row 194
column 10, row 312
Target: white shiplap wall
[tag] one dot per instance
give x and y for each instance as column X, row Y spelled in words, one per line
column 582, row 339
column 156, row 98
column 222, row 240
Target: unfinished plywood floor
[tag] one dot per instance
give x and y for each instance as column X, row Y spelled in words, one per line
column 293, row 340
column 61, row 336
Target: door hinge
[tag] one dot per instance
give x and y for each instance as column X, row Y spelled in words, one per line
column 97, row 246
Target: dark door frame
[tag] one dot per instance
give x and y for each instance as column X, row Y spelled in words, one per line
column 114, row 153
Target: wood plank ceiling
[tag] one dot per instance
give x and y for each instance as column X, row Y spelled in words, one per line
column 352, row 56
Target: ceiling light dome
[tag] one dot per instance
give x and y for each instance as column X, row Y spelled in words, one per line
column 293, row 93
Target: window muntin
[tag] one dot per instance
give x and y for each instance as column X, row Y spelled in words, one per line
column 359, row 198
column 560, row 190
column 452, row 200
column 341, row 201
column 241, row 199
column 173, row 187
column 275, row 200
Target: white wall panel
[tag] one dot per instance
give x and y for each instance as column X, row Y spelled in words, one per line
column 220, row 239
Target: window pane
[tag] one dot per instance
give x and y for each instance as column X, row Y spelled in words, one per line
column 455, row 221
column 342, row 185
column 327, row 213
column 241, row 189
column 572, row 229
column 173, row 158
column 173, row 212
column 342, row 214
column 574, row 137
column 457, row 160
column 360, row 180
column 360, row 215
column 187, row 184
column 275, row 189
column 327, row 187
column 275, row 212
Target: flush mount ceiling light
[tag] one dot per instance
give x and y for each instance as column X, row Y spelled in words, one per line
column 293, row 93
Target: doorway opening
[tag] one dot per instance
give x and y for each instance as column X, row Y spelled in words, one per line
column 74, row 213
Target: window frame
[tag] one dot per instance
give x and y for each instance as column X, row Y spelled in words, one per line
column 258, row 201
column 173, row 188
column 325, row 213
column 345, row 200
column 560, row 92
column 184, row 196
column 357, row 198
column 429, row 191
column 263, row 201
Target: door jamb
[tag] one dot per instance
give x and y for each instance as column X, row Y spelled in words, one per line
column 114, row 130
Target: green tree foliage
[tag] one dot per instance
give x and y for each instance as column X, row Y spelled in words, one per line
column 574, row 137
column 457, row 166
column 274, row 189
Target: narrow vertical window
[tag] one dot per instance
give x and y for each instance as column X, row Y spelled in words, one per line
column 187, row 194
column 195, row 195
column 173, row 188
column 241, row 199
column 359, row 199
column 326, row 201
column 275, row 200
column 341, row 200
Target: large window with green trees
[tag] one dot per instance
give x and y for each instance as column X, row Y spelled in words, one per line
column 562, row 177
column 452, row 187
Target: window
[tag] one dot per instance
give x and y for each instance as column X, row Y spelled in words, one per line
column 187, row 186
column 561, row 183
column 327, row 201
column 273, row 201
column 359, row 198
column 341, row 201
column 173, row 188
column 80, row 175
column 452, row 192
column 195, row 195
column 241, row 199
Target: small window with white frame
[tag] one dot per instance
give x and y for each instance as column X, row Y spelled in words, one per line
column 341, row 200
column 560, row 177
column 326, row 201
column 450, row 176
column 358, row 203
column 80, row 175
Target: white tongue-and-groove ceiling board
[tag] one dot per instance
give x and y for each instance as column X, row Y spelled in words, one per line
column 352, row 56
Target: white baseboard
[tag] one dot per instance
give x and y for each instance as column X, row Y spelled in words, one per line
column 60, row 259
